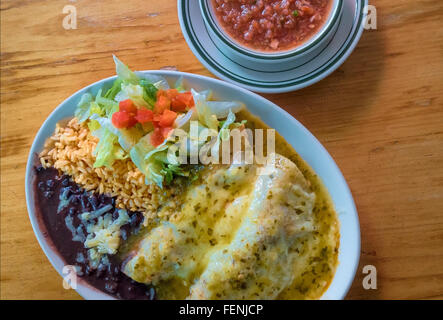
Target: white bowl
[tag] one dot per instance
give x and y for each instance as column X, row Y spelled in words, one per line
column 234, row 49
column 298, row 136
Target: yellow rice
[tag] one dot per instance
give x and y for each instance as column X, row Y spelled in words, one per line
column 70, row 151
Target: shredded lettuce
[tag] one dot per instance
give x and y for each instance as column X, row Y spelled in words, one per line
column 154, row 162
column 164, row 146
column 234, row 125
column 149, row 92
column 116, row 87
column 100, row 106
column 127, row 138
column 82, row 112
column 134, row 92
column 221, row 108
column 179, row 85
column 124, row 73
column 160, row 164
column 183, row 120
column 151, row 168
column 158, row 81
column 239, row 124
column 107, row 149
column 169, row 170
column 223, row 134
column 206, row 94
column 93, row 125
column 205, row 116
column 107, row 106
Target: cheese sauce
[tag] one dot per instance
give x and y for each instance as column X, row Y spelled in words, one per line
column 174, row 254
column 318, row 260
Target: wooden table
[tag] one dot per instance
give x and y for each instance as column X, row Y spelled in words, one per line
column 380, row 116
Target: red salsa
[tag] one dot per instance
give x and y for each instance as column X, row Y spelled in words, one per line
column 271, row 25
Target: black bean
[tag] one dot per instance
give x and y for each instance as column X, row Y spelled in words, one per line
column 84, row 202
column 39, row 168
column 72, row 211
column 81, row 270
column 99, row 273
column 102, row 266
column 75, row 200
column 81, row 229
column 102, row 198
column 41, row 186
column 67, row 191
column 48, row 194
column 88, row 271
column 135, row 220
column 116, row 271
column 50, row 183
column 93, row 201
column 75, row 189
column 65, row 182
column 111, row 286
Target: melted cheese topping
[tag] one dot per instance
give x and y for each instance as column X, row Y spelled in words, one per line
column 233, row 234
column 239, row 235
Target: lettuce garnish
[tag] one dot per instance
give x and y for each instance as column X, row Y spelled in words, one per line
column 159, row 166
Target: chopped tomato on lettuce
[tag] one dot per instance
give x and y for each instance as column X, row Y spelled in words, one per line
column 162, row 104
column 136, row 117
column 144, row 115
column 167, row 118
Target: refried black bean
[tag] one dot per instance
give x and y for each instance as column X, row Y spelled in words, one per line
column 107, row 277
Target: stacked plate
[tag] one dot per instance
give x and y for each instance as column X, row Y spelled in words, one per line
column 272, row 73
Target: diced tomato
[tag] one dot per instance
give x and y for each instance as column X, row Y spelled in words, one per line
column 178, row 105
column 182, row 101
column 144, row 115
column 167, row 118
column 156, row 119
column 187, row 98
column 157, row 137
column 308, row 10
column 162, row 104
column 121, row 119
column 165, row 131
column 132, row 122
column 171, row 93
column 127, row 106
column 160, row 93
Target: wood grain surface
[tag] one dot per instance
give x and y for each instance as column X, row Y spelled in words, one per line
column 380, row 115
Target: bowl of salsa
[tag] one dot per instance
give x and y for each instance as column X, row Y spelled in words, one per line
column 271, row 30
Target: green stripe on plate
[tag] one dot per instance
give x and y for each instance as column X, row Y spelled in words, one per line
column 277, row 71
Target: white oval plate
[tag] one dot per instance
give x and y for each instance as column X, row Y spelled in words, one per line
column 260, row 77
column 293, row 131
